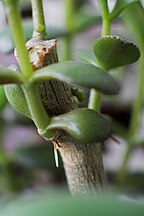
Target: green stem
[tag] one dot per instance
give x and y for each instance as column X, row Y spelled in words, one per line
column 37, row 110
column 14, row 19
column 103, row 4
column 35, row 105
column 70, row 25
column 38, row 19
column 135, row 119
column 94, row 100
column 123, row 168
column 95, row 97
column 138, row 103
column 5, row 160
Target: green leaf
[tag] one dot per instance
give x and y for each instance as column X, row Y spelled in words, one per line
column 38, row 156
column 83, row 124
column 17, row 99
column 60, row 204
column 134, row 17
column 9, row 76
column 120, row 6
column 84, row 20
column 78, row 73
column 113, row 51
column 3, row 100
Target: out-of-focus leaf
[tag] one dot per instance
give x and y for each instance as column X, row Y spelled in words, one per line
column 38, row 156
column 85, row 20
column 113, row 51
column 120, row 6
column 57, row 204
column 85, row 125
column 9, row 76
column 3, row 100
column 133, row 17
column 78, row 73
column 17, row 99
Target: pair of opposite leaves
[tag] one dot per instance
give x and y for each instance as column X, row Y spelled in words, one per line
column 84, row 124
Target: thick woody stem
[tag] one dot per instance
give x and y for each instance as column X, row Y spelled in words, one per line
column 82, row 162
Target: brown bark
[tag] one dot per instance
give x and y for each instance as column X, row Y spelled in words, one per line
column 82, row 162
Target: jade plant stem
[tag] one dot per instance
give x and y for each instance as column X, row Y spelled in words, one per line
column 69, row 24
column 37, row 110
column 137, row 108
column 95, row 97
column 134, row 121
column 38, row 19
column 14, row 19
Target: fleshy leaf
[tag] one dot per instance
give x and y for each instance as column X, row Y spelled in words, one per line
column 78, row 73
column 120, row 6
column 9, row 76
column 17, row 99
column 83, row 124
column 113, row 51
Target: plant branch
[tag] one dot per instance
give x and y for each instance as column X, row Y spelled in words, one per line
column 95, row 97
column 35, row 105
column 38, row 19
column 69, row 24
column 14, row 19
column 138, row 103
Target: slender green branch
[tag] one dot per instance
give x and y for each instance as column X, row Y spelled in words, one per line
column 103, row 4
column 138, row 103
column 35, row 105
column 38, row 19
column 70, row 25
column 14, row 19
column 94, row 100
column 134, row 122
column 106, row 25
column 95, row 97
column 123, row 168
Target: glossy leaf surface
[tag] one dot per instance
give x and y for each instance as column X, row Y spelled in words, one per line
column 113, row 51
column 83, row 124
column 78, row 73
column 17, row 99
column 120, row 6
column 9, row 76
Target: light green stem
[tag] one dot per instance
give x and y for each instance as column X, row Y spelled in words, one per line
column 35, row 105
column 14, row 19
column 95, row 97
column 103, row 4
column 70, row 25
column 138, row 103
column 135, row 119
column 38, row 19
column 120, row 177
